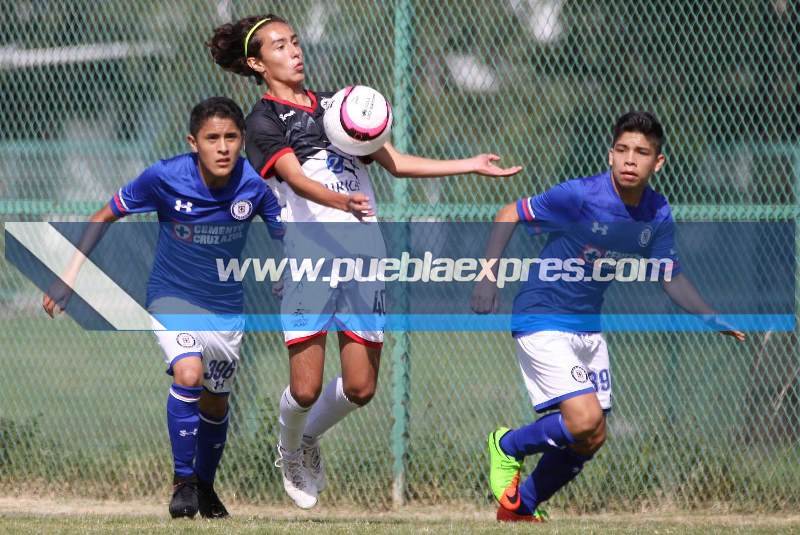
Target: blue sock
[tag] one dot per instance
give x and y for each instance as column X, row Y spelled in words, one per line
column 210, row 445
column 556, row 468
column 183, row 418
column 546, row 433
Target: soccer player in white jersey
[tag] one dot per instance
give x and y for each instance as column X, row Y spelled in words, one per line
column 197, row 196
column 287, row 144
column 556, row 319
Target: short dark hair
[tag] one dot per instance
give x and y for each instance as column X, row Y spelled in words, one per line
column 642, row 122
column 215, row 107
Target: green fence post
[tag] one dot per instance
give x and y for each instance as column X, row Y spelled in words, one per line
column 401, row 134
column 796, row 217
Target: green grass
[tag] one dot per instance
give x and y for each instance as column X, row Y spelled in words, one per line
column 699, row 524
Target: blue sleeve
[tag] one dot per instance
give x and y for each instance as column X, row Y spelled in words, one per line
column 559, row 204
column 138, row 196
column 270, row 212
column 664, row 241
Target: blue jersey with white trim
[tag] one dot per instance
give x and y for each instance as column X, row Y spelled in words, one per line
column 589, row 231
column 197, row 226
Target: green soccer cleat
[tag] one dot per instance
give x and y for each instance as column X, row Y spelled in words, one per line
column 539, row 516
column 503, row 472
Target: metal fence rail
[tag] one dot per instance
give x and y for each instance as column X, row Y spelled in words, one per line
column 95, row 91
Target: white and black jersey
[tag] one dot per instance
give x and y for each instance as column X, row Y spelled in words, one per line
column 276, row 127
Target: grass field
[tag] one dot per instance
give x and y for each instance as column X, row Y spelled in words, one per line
column 19, row 515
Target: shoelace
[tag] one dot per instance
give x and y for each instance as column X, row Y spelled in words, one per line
column 293, row 466
column 314, row 454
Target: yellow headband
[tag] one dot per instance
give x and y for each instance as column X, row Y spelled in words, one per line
column 252, row 30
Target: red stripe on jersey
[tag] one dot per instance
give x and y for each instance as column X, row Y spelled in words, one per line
column 363, row 341
column 309, row 109
column 268, row 166
column 119, row 204
column 526, row 209
column 294, row 341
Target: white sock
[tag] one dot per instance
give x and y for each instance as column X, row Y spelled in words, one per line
column 331, row 407
column 292, row 421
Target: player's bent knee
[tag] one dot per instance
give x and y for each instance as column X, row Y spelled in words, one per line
column 305, row 395
column 592, row 443
column 360, row 395
column 585, row 425
column 185, row 373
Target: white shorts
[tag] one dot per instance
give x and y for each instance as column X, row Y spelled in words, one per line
column 219, row 350
column 560, row 365
column 356, row 308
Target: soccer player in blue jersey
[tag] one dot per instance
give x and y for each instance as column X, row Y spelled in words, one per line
column 204, row 200
column 563, row 357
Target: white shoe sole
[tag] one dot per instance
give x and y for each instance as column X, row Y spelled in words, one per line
column 303, row 501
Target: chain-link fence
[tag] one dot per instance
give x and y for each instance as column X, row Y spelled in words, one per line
column 92, row 92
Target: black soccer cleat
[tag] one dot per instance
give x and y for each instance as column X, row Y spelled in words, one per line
column 184, row 501
column 209, row 503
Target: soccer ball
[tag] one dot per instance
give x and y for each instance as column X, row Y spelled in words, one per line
column 358, row 120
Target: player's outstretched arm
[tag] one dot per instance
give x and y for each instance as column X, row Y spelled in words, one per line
column 289, row 169
column 683, row 293
column 407, row 165
column 58, row 294
column 484, row 296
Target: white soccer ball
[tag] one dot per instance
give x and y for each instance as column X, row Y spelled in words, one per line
column 358, row 120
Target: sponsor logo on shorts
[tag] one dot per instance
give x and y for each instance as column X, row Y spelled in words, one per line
column 241, row 210
column 579, row 374
column 185, row 340
column 300, row 318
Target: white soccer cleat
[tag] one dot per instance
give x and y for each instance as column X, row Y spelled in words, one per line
column 312, row 461
column 296, row 480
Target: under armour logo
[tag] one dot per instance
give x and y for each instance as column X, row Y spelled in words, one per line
column 597, row 227
column 180, row 205
column 186, row 432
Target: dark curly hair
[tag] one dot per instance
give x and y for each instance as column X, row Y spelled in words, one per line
column 227, row 44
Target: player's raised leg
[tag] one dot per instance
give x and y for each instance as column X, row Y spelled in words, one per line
column 508, row 449
column 553, row 373
column 183, row 419
column 341, row 396
column 568, row 438
column 306, row 365
column 585, row 421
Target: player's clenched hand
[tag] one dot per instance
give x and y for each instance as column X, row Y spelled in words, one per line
column 484, row 298
column 484, row 165
column 739, row 335
column 358, row 205
column 723, row 327
column 55, row 300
